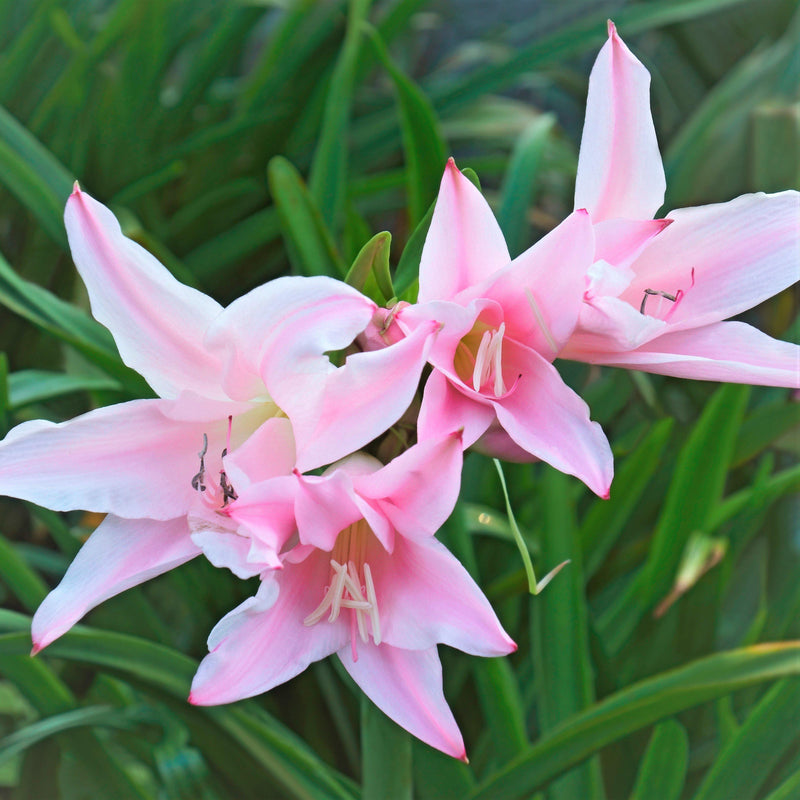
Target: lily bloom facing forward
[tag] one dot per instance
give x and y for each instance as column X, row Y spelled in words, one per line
column 368, row 581
column 659, row 304
column 220, row 375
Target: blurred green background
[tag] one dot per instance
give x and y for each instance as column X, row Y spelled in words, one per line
column 240, row 141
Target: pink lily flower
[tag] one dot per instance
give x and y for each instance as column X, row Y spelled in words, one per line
column 219, row 374
column 659, row 298
column 502, row 324
column 367, row 581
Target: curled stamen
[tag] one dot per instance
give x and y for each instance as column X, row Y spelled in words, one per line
column 497, row 360
column 648, row 292
column 478, row 376
column 198, row 480
column 338, row 586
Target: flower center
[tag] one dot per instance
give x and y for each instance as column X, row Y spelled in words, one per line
column 214, row 497
column 351, row 588
column 479, row 358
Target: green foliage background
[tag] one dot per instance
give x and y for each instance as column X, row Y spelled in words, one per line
column 243, row 140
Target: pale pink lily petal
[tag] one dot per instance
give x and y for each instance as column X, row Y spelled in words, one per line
column 724, row 258
column 157, row 322
column 426, row 596
column 619, row 167
column 285, row 321
column 541, row 291
column 263, row 642
column 417, row 491
column 464, row 244
column 723, row 351
column 620, row 241
column 446, row 409
column 547, row 419
column 268, row 452
column 407, row 686
column 357, row 402
column 120, row 554
column 128, row 459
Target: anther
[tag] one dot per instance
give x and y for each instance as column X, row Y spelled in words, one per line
column 198, row 480
column 648, row 292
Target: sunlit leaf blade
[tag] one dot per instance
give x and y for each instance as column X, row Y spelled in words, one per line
column 308, row 239
column 369, row 273
column 424, row 148
column 559, row 634
column 746, row 761
column 33, row 386
column 636, row 707
column 662, row 770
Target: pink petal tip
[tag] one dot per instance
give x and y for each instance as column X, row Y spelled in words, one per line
column 612, row 29
column 37, row 648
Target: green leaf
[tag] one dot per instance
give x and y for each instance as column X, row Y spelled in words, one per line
column 279, row 751
column 34, row 175
column 33, row 386
column 636, row 707
column 559, row 633
column 386, row 756
column 423, row 145
column 370, row 271
column 761, row 428
column 502, row 705
column 606, row 519
column 311, row 247
column 328, row 178
column 748, row 758
column 693, row 494
column 520, row 182
column 662, row 771
column 21, row 580
column 68, row 323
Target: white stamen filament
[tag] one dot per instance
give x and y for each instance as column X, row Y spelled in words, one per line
column 347, row 592
column 489, row 361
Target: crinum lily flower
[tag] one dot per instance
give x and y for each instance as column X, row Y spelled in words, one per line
column 502, row 323
column 657, row 302
column 367, row 581
column 219, row 374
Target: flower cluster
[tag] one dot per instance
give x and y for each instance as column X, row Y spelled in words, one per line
column 308, row 437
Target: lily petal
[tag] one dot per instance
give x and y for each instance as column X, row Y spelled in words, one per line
column 464, row 244
column 120, row 554
column 620, row 241
column 723, row 351
column 426, row 596
column 417, row 491
column 263, row 642
column 619, row 167
column 128, row 459
column 548, row 420
column 445, row 409
column 157, row 322
column 725, row 258
column 541, row 291
column 407, row 686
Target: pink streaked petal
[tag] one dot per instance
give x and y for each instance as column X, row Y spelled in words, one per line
column 726, row 257
column 610, row 324
column 157, row 322
column 464, row 244
column 723, row 351
column 324, row 506
column 266, row 453
column 263, row 642
column 336, row 413
column 288, row 322
column 445, row 409
column 541, row 291
column 620, row 241
column 619, row 167
column 407, row 686
column 426, row 596
column 128, row 459
column 120, row 554
column 265, row 510
column 546, row 418
column 417, row 491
